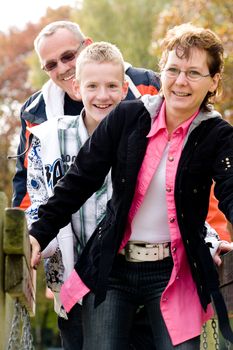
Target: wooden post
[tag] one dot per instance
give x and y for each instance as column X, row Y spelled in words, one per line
column 226, row 280
column 19, row 277
column 6, row 303
column 226, row 283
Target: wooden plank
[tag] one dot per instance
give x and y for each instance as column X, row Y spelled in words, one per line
column 3, row 203
column 4, row 326
column 20, row 281
column 225, row 270
column 16, row 240
column 226, row 280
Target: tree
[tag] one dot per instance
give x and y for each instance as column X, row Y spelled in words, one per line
column 128, row 24
column 16, row 85
column 14, row 48
column 214, row 14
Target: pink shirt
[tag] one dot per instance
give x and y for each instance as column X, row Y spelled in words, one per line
column 180, row 305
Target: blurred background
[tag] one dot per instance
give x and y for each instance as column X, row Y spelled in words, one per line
column 136, row 27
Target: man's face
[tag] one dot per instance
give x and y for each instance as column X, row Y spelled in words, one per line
column 59, row 51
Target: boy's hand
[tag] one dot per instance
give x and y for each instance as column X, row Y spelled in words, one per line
column 35, row 252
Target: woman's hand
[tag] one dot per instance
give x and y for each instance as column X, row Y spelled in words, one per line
column 35, row 252
column 224, row 247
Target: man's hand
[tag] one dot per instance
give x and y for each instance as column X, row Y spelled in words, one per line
column 224, row 247
column 35, row 252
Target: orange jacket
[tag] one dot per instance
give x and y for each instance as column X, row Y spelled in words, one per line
column 217, row 219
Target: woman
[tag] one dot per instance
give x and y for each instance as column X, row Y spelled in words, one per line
column 150, row 248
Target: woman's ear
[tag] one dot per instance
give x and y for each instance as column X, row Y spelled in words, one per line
column 76, row 90
column 215, row 81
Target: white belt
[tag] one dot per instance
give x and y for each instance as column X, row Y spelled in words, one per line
column 136, row 252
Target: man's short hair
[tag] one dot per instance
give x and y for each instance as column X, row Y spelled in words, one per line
column 52, row 27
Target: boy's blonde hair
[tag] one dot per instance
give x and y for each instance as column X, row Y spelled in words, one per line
column 99, row 52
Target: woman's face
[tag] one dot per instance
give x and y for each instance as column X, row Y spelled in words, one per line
column 184, row 93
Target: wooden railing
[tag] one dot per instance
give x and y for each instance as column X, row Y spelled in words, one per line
column 17, row 279
column 5, row 302
column 226, row 282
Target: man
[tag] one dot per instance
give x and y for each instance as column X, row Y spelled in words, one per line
column 58, row 45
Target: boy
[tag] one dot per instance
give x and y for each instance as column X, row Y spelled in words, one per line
column 100, row 82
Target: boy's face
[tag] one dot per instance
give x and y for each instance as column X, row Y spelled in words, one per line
column 101, row 87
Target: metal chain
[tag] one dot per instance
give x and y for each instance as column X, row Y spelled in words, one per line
column 20, row 340
column 14, row 338
column 204, row 337
column 26, row 339
column 228, row 345
column 215, row 333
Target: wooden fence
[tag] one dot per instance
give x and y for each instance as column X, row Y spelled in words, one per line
column 226, row 282
column 17, row 279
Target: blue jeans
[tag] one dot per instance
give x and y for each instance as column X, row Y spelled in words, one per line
column 72, row 334
column 108, row 326
column 141, row 336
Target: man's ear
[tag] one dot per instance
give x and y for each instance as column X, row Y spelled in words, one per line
column 88, row 41
column 76, row 90
column 125, row 89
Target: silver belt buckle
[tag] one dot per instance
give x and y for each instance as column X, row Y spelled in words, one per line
column 129, row 253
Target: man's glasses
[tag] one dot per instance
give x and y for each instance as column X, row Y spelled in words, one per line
column 192, row 75
column 66, row 57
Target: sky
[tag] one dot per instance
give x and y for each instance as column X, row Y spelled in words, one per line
column 19, row 12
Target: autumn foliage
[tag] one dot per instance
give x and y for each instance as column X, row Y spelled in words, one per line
column 136, row 26
column 16, row 47
column 214, row 14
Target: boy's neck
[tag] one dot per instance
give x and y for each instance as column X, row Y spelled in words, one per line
column 89, row 123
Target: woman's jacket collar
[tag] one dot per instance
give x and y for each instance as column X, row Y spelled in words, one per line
column 154, row 103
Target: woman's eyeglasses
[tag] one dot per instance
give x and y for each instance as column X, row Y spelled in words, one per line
column 192, row 75
column 66, row 57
